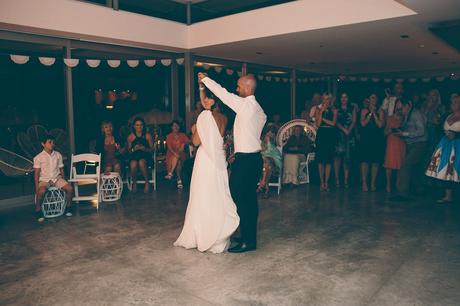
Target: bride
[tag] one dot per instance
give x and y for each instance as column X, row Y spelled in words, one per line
column 211, row 216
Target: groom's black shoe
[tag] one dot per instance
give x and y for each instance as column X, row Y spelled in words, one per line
column 241, row 248
column 236, row 240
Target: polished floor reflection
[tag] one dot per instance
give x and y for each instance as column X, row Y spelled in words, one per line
column 337, row 248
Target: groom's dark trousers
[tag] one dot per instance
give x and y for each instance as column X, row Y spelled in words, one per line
column 245, row 174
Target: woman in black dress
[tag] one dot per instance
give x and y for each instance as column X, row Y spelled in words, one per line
column 140, row 147
column 346, row 120
column 326, row 137
column 372, row 142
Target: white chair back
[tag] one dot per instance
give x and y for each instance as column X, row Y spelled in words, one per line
column 89, row 159
column 287, row 129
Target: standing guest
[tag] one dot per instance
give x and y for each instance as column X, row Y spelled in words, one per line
column 49, row 171
column 305, row 114
column 109, row 147
column 389, row 103
column 396, row 147
column 271, row 157
column 246, row 168
column 371, row 146
column 175, row 155
column 314, row 106
column 346, row 120
column 326, row 138
column 275, row 122
column 445, row 163
column 413, row 132
column 140, row 147
column 295, row 151
column 433, row 110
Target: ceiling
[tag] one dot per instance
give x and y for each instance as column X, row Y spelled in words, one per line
column 363, row 48
column 201, row 10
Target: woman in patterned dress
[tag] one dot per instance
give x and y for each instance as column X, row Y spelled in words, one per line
column 445, row 162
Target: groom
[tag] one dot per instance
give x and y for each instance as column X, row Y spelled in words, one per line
column 247, row 167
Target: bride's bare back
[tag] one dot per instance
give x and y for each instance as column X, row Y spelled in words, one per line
column 221, row 121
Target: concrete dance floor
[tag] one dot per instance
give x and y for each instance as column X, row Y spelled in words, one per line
column 339, row 248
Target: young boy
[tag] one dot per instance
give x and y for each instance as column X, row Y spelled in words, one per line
column 49, row 171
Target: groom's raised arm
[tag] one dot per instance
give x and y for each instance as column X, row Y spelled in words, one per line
column 231, row 100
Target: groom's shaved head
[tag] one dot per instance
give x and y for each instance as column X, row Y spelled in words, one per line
column 246, row 85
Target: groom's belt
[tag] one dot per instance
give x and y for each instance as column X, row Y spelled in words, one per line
column 246, row 154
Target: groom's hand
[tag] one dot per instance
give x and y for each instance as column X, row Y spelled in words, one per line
column 201, row 76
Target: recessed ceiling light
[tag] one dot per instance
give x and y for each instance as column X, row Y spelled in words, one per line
column 259, row 53
column 421, row 46
column 404, row 36
column 435, row 53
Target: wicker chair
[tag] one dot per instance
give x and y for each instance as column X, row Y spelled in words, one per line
column 14, row 165
column 282, row 137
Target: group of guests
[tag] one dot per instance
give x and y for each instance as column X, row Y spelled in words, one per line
column 409, row 137
column 138, row 151
column 399, row 134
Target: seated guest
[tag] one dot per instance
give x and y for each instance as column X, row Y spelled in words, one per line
column 49, row 171
column 271, row 159
column 445, row 163
column 109, row 147
column 295, row 151
column 229, row 147
column 275, row 122
column 140, row 147
column 326, row 139
column 175, row 154
column 396, row 148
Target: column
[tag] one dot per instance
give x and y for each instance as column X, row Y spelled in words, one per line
column 69, row 100
column 293, row 93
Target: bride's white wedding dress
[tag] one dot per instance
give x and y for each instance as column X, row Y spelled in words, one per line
column 211, row 216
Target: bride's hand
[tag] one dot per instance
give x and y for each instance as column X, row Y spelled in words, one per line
column 201, row 76
column 193, row 128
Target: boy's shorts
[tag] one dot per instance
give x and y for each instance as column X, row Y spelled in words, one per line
column 60, row 182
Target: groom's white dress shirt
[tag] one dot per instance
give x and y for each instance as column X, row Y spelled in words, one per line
column 249, row 121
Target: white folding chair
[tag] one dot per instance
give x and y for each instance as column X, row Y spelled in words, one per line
column 278, row 182
column 87, row 161
column 304, row 173
column 130, row 181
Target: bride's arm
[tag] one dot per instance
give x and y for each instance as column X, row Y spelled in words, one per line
column 195, row 137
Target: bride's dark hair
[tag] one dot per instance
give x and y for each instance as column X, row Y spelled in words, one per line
column 217, row 103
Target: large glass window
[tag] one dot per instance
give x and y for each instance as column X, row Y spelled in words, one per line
column 119, row 94
column 273, row 91
column 32, row 103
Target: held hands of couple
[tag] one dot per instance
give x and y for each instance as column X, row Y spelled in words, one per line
column 201, row 76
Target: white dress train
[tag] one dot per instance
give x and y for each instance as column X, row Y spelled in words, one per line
column 211, row 216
